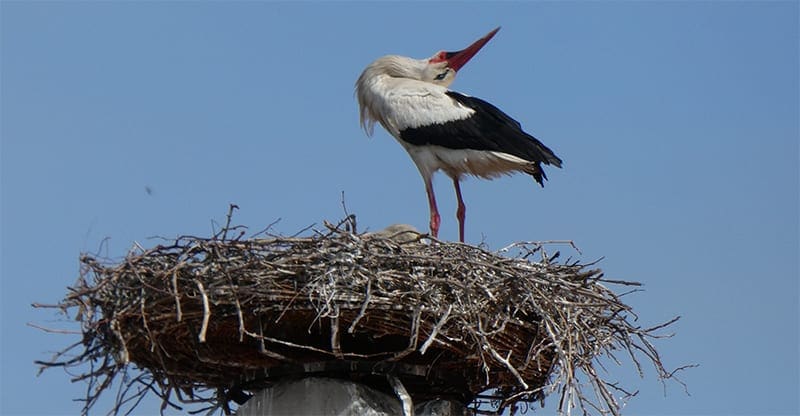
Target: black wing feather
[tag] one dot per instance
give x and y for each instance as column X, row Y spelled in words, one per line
column 487, row 129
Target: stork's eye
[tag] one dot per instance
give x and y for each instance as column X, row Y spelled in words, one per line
column 441, row 76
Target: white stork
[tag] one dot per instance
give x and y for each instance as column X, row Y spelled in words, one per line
column 443, row 129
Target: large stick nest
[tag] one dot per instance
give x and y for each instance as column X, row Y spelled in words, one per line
column 206, row 319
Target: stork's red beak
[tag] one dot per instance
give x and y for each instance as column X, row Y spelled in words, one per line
column 457, row 59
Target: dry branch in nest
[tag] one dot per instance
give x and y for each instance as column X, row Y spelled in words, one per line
column 203, row 320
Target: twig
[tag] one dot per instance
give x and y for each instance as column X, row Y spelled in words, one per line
column 402, row 394
column 53, row 331
column 179, row 313
column 206, row 312
column 335, row 344
column 228, row 218
column 436, row 329
column 350, row 218
column 363, row 310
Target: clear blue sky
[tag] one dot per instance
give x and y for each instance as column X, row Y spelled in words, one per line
column 677, row 123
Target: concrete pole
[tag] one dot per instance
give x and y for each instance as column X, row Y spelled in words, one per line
column 333, row 397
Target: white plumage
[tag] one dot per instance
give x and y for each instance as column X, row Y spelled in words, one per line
column 400, row 103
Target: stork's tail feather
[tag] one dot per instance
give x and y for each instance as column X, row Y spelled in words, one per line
column 545, row 156
column 538, row 174
column 552, row 159
column 548, row 158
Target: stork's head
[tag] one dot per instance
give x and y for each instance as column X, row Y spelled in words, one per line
column 392, row 70
column 441, row 68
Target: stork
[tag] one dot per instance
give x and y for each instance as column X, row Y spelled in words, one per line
column 443, row 129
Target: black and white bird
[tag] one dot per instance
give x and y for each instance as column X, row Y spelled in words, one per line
column 443, row 129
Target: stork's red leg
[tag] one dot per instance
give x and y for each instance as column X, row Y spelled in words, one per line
column 435, row 220
column 462, row 210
